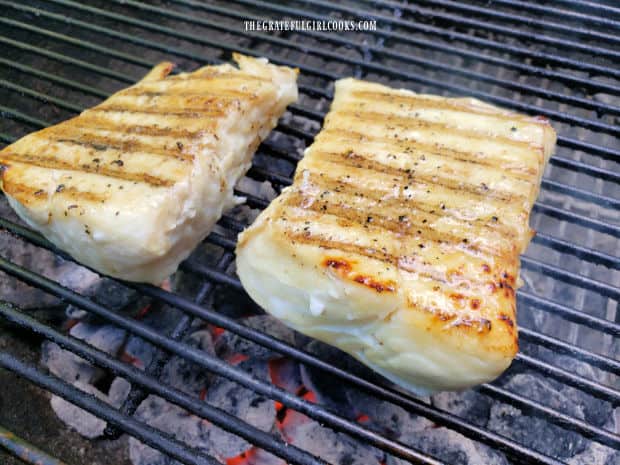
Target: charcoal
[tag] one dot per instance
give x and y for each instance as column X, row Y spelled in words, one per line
column 535, row 432
column 69, row 366
column 595, row 411
column 83, row 422
column 453, row 448
column 230, row 343
column 329, row 390
column 242, row 403
column 333, row 447
column 140, row 351
column 286, row 374
column 263, row 190
column 232, row 303
column 170, row 419
column 596, row 453
column 385, row 418
column 185, row 375
column 203, row 435
column 470, row 405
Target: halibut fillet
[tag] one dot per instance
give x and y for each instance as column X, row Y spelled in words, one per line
column 399, row 240
column 131, row 186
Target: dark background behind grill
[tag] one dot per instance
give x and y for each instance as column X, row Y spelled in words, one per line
column 553, row 58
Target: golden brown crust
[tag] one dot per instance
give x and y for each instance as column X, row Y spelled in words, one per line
column 160, row 117
column 132, row 185
column 424, row 198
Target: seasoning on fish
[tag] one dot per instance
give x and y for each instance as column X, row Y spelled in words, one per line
column 131, row 186
column 399, row 240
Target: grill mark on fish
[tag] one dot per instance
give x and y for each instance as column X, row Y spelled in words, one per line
column 369, row 117
column 357, row 160
column 174, row 103
column 105, row 143
column 89, row 121
column 26, row 193
column 423, row 102
column 403, row 228
column 163, row 112
column 326, row 184
column 408, row 146
column 215, row 76
column 226, row 95
column 102, row 170
column 431, row 272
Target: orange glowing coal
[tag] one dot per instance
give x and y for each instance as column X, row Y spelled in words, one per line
column 143, row 311
column 130, row 359
column 236, row 359
column 244, row 458
column 217, row 331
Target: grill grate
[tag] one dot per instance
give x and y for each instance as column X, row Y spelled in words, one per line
column 438, row 46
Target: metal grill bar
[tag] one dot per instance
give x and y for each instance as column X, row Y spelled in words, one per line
column 554, row 271
column 513, row 18
column 451, row 35
column 572, row 278
column 569, row 313
column 513, row 32
column 563, row 141
column 509, row 103
column 157, row 364
column 602, row 173
column 180, row 398
column 144, row 433
column 606, row 363
column 218, row 275
column 604, row 8
column 523, row 107
column 217, row 366
column 583, row 253
column 25, row 451
column 562, row 13
column 590, row 104
column 214, row 365
column 404, row 401
column 263, row 175
column 427, row 44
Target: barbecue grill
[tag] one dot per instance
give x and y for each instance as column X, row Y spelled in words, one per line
column 555, row 58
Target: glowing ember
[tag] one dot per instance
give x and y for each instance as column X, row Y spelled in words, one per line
column 236, row 359
column 130, row 359
column 217, row 332
column 71, row 323
column 143, row 311
column 242, row 459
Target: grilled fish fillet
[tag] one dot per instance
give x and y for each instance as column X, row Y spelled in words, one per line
column 399, row 240
column 131, row 186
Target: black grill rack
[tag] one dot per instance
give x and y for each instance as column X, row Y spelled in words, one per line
column 556, row 58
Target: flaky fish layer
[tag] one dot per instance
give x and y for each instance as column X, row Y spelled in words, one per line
column 399, row 240
column 131, row 186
